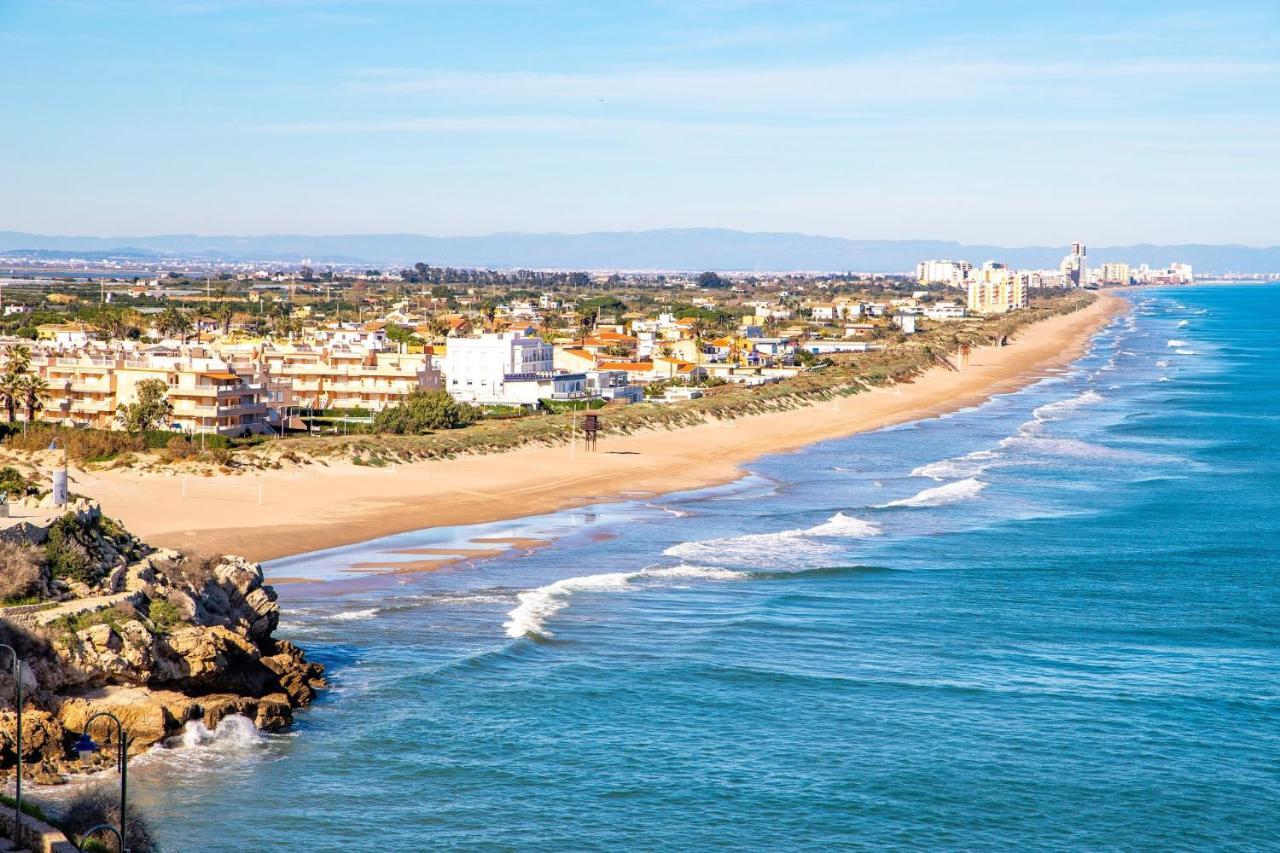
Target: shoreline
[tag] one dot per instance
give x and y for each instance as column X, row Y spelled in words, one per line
column 314, row 508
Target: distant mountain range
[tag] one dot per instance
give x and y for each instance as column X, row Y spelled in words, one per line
column 665, row 249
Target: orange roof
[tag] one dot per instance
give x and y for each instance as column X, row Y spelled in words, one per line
column 633, row 366
column 226, row 377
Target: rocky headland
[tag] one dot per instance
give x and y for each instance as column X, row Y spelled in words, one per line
column 159, row 638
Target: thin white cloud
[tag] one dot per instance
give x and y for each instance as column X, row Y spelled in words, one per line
column 920, row 79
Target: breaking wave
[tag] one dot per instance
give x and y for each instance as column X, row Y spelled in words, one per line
column 1174, row 342
column 1185, row 351
column 350, row 615
column 941, row 495
column 845, row 525
column 784, row 547
column 1053, row 411
column 536, row 606
column 969, row 465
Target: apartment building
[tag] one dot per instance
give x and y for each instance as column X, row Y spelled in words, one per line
column 953, row 273
column 502, row 368
column 86, row 388
column 995, row 289
column 344, row 376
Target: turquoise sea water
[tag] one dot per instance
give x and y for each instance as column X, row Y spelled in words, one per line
column 1048, row 622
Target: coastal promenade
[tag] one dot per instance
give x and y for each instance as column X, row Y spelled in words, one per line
column 310, row 508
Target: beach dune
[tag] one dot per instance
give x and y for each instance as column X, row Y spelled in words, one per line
column 315, row 507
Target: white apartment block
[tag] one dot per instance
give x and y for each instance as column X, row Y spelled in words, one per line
column 502, row 368
column 1114, row 273
column 952, row 273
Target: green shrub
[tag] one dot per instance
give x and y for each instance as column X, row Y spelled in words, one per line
column 164, row 615
column 423, row 412
column 66, row 554
column 14, row 484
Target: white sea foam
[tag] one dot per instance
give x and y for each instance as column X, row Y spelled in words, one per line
column 1185, row 351
column 1182, row 323
column 1075, row 448
column 350, row 615
column 529, row 618
column 200, row 748
column 969, row 465
column 1174, row 342
column 846, row 526
column 1055, row 410
column 784, row 547
column 941, row 495
column 694, row 572
column 1164, row 379
column 231, row 734
column 536, row 606
column 1164, row 362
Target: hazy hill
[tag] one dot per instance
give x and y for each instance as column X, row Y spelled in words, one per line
column 667, row 249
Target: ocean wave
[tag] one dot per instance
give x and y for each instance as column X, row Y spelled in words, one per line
column 694, row 572
column 350, row 615
column 784, row 547
column 1164, row 379
column 1174, row 342
column 845, row 526
column 1182, row 323
column 199, row 748
column 536, row 606
column 1185, row 351
column 1054, row 411
column 1164, row 362
column 752, row 549
column 940, row 495
column 969, row 465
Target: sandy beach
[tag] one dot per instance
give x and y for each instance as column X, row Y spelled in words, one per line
column 279, row 513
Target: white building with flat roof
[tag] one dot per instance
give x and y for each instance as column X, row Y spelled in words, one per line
column 479, row 370
column 953, row 273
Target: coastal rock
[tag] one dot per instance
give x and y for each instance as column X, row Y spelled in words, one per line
column 156, row 637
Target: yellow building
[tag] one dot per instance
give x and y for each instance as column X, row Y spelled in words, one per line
column 995, row 289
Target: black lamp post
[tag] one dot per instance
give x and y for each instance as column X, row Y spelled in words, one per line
column 17, row 705
column 84, row 839
column 85, row 747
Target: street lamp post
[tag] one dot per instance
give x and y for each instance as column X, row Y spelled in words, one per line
column 17, row 706
column 85, row 747
column 84, row 839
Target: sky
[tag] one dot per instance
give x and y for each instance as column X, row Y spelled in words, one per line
column 1006, row 123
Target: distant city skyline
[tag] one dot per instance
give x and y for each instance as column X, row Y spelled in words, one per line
column 984, row 123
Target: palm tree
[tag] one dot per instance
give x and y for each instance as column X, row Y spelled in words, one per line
column 33, row 390
column 170, row 321
column 199, row 314
column 181, row 324
column 225, row 314
column 18, row 359
column 11, row 390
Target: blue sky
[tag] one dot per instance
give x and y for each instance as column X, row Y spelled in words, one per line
column 998, row 122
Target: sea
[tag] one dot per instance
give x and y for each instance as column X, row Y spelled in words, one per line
column 1047, row 622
